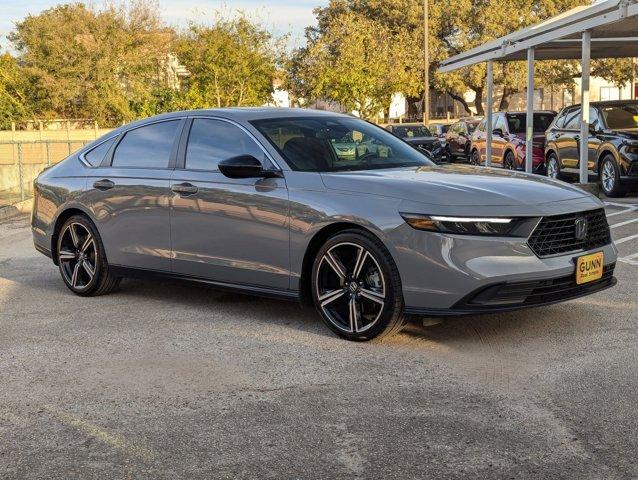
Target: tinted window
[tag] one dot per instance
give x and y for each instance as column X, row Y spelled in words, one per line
column 147, row 147
column 95, row 156
column 412, row 131
column 572, row 120
column 560, row 120
column 211, row 141
column 328, row 144
column 517, row 122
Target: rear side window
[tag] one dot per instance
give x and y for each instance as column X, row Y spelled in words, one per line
column 211, row 141
column 95, row 156
column 147, row 147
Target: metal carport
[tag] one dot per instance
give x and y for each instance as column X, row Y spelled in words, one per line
column 604, row 30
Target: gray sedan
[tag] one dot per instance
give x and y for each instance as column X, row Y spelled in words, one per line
column 260, row 201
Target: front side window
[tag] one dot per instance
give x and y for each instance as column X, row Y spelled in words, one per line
column 149, row 146
column 329, row 144
column 211, row 141
column 95, row 156
column 572, row 120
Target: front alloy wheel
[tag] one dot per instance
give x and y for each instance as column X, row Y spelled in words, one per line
column 610, row 177
column 509, row 163
column 553, row 170
column 356, row 287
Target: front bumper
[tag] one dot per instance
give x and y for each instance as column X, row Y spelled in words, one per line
column 445, row 274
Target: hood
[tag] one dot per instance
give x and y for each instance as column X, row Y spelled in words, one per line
column 455, row 185
column 628, row 133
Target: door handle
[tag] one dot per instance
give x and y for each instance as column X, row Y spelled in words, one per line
column 184, row 189
column 103, row 184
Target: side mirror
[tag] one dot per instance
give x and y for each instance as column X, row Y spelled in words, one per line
column 242, row 166
column 498, row 132
column 592, row 129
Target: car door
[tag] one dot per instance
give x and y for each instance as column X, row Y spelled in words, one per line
column 224, row 229
column 463, row 140
column 594, row 140
column 567, row 143
column 129, row 195
column 452, row 139
column 499, row 134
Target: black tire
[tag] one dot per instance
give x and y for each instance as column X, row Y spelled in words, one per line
column 389, row 318
column 475, row 159
column 79, row 279
column 609, row 175
column 553, row 165
column 448, row 154
column 509, row 162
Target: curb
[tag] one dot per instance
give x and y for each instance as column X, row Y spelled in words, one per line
column 8, row 211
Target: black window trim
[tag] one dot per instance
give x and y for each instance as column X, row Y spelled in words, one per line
column 180, row 163
column 82, row 155
column 108, row 159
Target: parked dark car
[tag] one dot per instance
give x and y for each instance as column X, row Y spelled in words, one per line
column 508, row 140
column 439, row 129
column 613, row 145
column 419, row 136
column 458, row 138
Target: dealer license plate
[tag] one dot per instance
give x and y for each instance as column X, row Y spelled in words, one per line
column 589, row 268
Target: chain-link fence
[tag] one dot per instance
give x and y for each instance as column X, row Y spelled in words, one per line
column 22, row 160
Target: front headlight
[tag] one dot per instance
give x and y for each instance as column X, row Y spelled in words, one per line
column 498, row 226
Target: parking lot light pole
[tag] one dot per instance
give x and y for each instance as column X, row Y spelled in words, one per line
column 529, row 136
column 584, row 103
column 426, row 66
column 490, row 108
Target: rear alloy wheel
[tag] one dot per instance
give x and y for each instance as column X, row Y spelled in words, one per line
column 553, row 167
column 356, row 287
column 509, row 163
column 610, row 177
column 81, row 258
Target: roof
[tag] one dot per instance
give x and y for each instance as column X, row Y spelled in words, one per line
column 613, row 25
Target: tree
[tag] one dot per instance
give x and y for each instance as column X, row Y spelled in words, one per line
column 14, row 92
column 90, row 63
column 352, row 60
column 231, row 63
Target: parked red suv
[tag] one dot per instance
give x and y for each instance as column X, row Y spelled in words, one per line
column 508, row 140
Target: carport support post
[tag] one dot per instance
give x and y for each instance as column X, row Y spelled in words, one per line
column 529, row 136
column 490, row 107
column 584, row 111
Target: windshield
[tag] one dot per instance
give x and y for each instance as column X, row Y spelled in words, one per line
column 517, row 122
column 330, row 144
column 411, row 131
column 471, row 127
column 621, row 116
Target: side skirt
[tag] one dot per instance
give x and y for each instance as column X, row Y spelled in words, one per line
column 145, row 274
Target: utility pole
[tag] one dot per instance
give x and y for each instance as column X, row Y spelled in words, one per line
column 426, row 66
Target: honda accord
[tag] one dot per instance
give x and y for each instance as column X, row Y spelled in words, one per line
column 257, row 200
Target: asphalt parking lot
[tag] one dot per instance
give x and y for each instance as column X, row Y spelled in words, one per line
column 163, row 380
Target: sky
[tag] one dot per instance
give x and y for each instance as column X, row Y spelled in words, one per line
column 279, row 16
